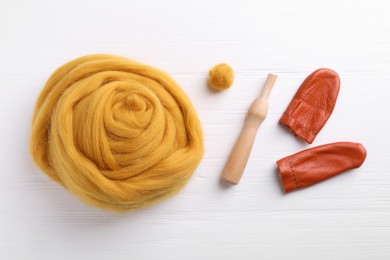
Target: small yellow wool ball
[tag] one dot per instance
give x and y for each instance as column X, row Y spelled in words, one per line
column 221, row 77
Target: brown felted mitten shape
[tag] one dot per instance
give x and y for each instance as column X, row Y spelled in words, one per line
column 319, row 163
column 312, row 105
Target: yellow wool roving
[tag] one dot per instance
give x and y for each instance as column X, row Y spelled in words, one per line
column 118, row 134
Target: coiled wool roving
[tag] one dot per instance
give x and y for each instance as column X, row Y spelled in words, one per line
column 118, row 134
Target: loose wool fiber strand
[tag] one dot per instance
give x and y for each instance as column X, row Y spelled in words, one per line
column 116, row 133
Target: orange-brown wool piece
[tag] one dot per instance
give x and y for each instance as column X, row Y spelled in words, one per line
column 319, row 163
column 312, row 105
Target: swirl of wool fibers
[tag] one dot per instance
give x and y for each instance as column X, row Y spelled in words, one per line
column 116, row 133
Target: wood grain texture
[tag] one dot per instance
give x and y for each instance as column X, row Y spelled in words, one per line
column 346, row 217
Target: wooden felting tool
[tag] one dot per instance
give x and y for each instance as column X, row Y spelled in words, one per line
column 239, row 156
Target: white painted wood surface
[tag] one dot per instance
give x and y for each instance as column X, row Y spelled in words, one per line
column 347, row 217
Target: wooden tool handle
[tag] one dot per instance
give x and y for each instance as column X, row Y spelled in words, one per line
column 239, row 156
column 269, row 84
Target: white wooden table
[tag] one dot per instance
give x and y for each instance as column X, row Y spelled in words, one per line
column 347, row 217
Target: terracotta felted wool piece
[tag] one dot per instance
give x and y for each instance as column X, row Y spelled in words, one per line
column 316, row 164
column 312, row 105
